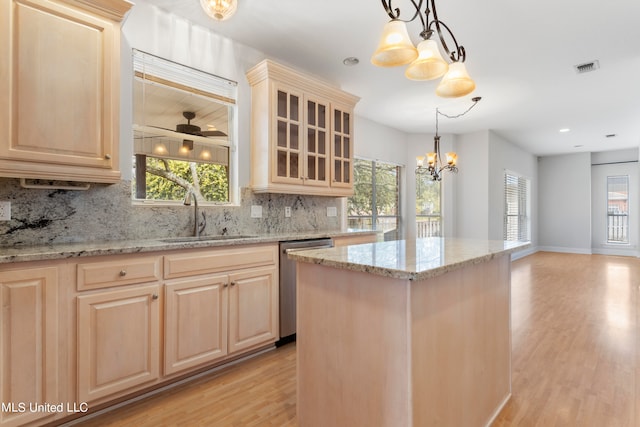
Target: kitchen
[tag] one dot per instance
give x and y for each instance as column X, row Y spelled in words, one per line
column 105, row 212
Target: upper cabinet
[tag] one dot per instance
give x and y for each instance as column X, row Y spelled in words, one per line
column 301, row 133
column 59, row 89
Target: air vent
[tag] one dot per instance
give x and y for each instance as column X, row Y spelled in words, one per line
column 587, row 67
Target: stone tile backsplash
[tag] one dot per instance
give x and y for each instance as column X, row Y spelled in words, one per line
column 106, row 212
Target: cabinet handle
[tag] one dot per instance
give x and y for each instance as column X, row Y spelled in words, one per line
column 225, row 285
column 233, row 283
column 154, row 296
column 123, row 273
column 107, row 156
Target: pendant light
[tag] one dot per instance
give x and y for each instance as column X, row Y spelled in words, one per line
column 220, row 10
column 426, row 62
column 395, row 47
column 456, row 82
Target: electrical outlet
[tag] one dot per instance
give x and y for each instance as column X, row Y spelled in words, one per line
column 332, row 211
column 5, row 211
column 256, row 211
column 287, row 211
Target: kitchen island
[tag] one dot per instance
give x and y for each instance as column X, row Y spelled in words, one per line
column 404, row 333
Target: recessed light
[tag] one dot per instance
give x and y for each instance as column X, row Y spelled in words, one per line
column 578, row 146
column 351, row 61
column 565, row 130
column 611, row 135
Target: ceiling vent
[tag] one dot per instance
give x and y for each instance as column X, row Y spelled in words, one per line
column 587, row 67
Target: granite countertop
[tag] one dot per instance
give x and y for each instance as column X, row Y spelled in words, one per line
column 84, row 249
column 415, row 259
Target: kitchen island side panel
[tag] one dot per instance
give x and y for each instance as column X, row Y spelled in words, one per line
column 376, row 350
column 461, row 342
column 353, row 348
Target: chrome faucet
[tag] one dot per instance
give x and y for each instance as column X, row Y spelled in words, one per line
column 197, row 229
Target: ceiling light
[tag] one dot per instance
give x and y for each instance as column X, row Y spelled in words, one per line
column 564, row 130
column 611, row 135
column 395, row 48
column 220, row 10
column 435, row 166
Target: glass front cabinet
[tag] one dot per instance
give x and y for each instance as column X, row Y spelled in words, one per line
column 302, row 133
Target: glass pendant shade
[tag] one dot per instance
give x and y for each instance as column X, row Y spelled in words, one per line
column 429, row 64
column 452, row 158
column 431, row 159
column 420, row 161
column 456, row 82
column 219, row 10
column 395, row 47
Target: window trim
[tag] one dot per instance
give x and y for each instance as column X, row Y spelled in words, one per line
column 399, row 180
column 522, row 216
column 218, row 89
column 627, row 242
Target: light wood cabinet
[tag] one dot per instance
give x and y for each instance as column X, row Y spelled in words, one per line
column 253, row 308
column 59, row 89
column 224, row 303
column 195, row 322
column 28, row 343
column 118, row 340
column 301, row 133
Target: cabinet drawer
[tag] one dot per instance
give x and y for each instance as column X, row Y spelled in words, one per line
column 102, row 274
column 218, row 259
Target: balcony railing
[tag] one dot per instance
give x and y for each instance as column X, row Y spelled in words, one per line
column 428, row 226
column 618, row 228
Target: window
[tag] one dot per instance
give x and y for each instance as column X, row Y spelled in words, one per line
column 375, row 204
column 183, row 132
column 516, row 208
column 618, row 209
column 428, row 212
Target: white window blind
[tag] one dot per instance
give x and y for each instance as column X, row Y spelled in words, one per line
column 516, row 219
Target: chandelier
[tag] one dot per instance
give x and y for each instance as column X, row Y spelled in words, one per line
column 425, row 61
column 435, row 166
column 219, row 10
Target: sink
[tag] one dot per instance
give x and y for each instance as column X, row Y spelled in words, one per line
column 206, row 238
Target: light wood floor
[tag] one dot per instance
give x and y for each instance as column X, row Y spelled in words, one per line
column 575, row 358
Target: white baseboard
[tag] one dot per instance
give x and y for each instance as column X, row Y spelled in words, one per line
column 583, row 251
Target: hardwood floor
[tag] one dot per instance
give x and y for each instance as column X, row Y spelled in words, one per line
column 575, row 340
column 575, row 358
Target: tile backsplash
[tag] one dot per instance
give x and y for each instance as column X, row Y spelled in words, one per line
column 106, row 212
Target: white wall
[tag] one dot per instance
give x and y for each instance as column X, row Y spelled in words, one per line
column 504, row 156
column 564, row 203
column 472, row 189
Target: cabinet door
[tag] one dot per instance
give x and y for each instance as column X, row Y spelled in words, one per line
column 28, row 343
column 118, row 341
column 195, row 322
column 59, row 95
column 288, row 149
column 342, row 150
column 253, row 308
column 317, row 122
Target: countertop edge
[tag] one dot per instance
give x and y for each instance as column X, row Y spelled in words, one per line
column 313, row 257
column 62, row 251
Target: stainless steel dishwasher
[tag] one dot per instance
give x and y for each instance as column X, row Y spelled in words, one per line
column 288, row 284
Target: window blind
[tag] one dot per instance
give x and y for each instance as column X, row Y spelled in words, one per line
column 516, row 220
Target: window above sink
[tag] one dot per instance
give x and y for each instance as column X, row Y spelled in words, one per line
column 184, row 133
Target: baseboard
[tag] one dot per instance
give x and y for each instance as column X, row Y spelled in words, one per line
column 583, row 251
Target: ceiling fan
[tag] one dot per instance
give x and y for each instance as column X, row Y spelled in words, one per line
column 190, row 129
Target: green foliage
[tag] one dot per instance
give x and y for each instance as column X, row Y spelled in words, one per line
column 212, row 180
column 427, row 195
column 386, row 188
